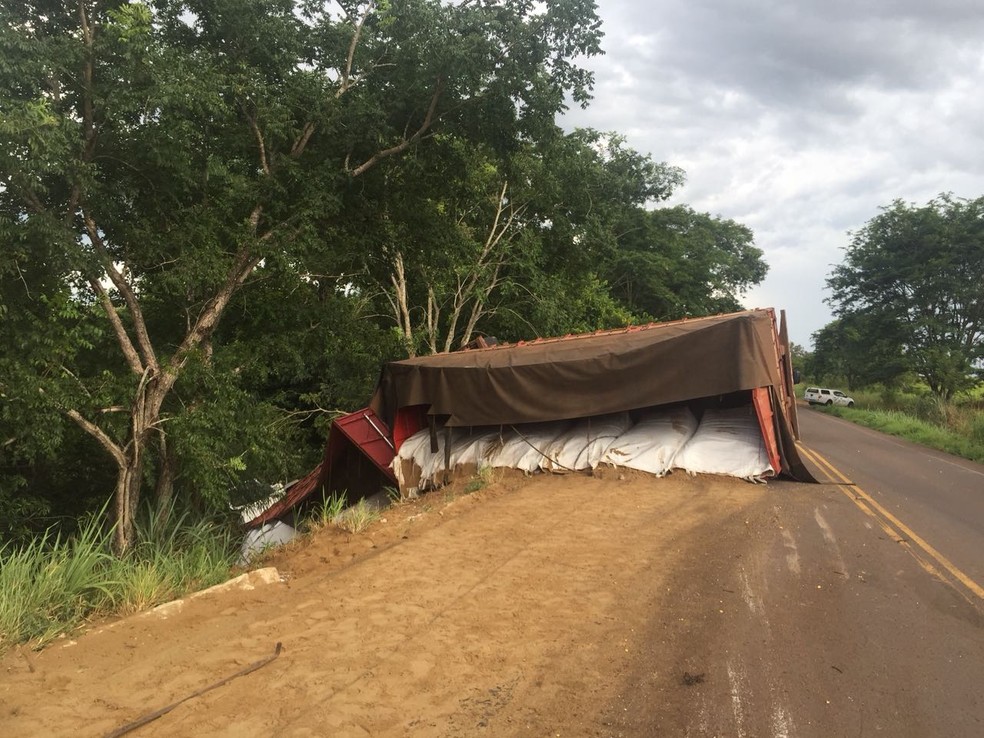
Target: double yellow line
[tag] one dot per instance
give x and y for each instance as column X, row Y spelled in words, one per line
column 928, row 557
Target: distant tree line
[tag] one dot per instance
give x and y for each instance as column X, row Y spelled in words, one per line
column 219, row 217
column 909, row 300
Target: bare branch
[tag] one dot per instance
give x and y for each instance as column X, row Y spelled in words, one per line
column 254, row 217
column 468, row 290
column 347, row 74
column 406, row 142
column 119, row 281
column 96, row 432
column 88, row 116
column 401, row 307
column 346, row 83
column 207, row 319
column 260, row 143
column 122, row 337
column 433, row 319
column 27, row 289
column 302, row 140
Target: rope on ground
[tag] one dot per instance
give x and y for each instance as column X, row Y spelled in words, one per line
column 150, row 717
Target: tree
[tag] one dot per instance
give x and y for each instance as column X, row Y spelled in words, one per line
column 859, row 348
column 161, row 156
column 676, row 262
column 505, row 242
column 802, row 361
column 912, row 277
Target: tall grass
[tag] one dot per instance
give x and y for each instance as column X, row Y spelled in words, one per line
column 174, row 555
column 50, row 584
column 334, row 511
column 956, row 427
column 56, row 582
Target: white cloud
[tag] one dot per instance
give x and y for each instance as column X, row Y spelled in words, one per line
column 798, row 119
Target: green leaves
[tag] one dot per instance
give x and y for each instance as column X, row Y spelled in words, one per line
column 920, row 268
column 676, row 263
column 202, row 203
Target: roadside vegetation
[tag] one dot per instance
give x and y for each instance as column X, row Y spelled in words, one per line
column 907, row 341
column 333, row 511
column 955, row 426
column 54, row 582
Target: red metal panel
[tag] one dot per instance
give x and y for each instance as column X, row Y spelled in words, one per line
column 371, row 435
column 763, row 409
column 788, row 390
column 408, row 421
column 363, row 430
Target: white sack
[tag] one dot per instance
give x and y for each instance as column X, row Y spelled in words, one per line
column 522, row 446
column 411, row 449
column 266, row 536
column 468, row 446
column 727, row 442
column 583, row 445
column 652, row 443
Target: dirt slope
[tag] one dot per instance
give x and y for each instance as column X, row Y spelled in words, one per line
column 555, row 605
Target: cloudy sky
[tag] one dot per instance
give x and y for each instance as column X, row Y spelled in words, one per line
column 798, row 118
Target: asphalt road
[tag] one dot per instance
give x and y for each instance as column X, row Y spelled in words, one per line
column 939, row 497
column 845, row 609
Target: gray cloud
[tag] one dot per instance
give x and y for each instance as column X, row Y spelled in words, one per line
column 799, row 119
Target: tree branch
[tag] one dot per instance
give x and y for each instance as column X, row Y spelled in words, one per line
column 346, row 83
column 406, row 142
column 208, row 318
column 346, row 75
column 122, row 337
column 119, row 281
column 400, row 307
column 302, row 140
column 260, row 144
column 88, row 116
column 100, row 435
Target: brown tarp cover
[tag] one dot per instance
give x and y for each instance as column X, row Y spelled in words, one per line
column 590, row 374
column 593, row 374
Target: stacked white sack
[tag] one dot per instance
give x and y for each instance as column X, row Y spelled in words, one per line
column 727, row 442
column 467, row 447
column 652, row 443
column 522, row 446
column 583, row 446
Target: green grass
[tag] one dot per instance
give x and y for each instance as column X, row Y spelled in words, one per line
column 335, row 512
column 969, row 444
column 358, row 517
column 483, row 477
column 329, row 510
column 54, row 583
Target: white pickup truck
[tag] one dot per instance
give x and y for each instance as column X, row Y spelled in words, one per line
column 821, row 396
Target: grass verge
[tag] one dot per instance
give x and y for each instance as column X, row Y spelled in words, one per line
column 911, row 428
column 55, row 583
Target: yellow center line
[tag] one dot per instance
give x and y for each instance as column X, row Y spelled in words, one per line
column 911, row 535
column 883, row 524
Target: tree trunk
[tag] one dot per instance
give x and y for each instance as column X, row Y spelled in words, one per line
column 127, row 497
column 167, row 469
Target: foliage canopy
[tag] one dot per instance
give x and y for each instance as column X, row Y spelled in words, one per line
column 909, row 295
column 218, row 217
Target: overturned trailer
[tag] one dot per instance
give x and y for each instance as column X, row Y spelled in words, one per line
column 725, row 368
